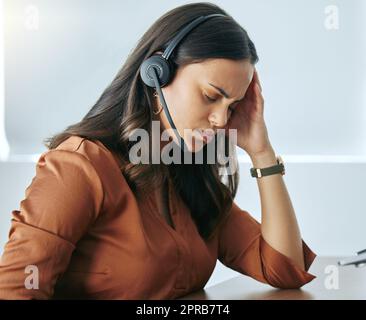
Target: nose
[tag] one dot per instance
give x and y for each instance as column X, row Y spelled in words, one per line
column 219, row 118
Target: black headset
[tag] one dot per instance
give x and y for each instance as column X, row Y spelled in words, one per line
column 157, row 70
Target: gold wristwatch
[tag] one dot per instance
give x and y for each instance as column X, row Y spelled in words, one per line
column 277, row 168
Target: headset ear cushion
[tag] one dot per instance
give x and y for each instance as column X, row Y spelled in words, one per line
column 162, row 67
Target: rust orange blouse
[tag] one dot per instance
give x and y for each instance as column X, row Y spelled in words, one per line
column 82, row 227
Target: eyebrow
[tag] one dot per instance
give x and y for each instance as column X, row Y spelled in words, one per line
column 223, row 92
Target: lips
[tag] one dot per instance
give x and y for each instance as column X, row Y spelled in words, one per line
column 208, row 135
column 207, row 138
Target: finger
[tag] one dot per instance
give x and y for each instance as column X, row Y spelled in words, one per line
column 259, row 99
column 259, row 91
column 256, row 77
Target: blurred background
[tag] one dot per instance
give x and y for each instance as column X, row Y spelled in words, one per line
column 56, row 58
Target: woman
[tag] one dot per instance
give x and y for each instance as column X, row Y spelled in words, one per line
column 96, row 225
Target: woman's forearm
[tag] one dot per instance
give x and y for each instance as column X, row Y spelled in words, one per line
column 278, row 224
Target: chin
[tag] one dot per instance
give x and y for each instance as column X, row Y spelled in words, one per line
column 196, row 147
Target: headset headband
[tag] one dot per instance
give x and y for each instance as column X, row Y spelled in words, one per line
column 168, row 51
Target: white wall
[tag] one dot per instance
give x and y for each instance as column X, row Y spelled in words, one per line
column 313, row 79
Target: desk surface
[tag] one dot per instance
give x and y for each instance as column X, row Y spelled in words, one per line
column 351, row 285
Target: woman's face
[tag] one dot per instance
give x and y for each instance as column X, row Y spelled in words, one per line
column 195, row 101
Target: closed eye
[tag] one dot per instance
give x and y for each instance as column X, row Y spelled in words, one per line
column 210, row 99
column 213, row 100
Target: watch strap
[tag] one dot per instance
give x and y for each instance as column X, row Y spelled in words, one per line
column 261, row 172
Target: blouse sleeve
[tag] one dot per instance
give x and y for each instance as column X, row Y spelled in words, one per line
column 243, row 249
column 63, row 199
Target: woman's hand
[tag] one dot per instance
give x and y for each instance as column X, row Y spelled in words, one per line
column 248, row 119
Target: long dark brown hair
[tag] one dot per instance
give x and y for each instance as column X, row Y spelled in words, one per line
column 126, row 104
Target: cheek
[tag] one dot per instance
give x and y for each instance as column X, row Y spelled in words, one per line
column 186, row 104
column 196, row 118
column 191, row 111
